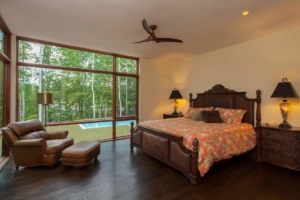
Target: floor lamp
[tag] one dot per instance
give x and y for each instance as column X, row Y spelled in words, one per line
column 45, row 99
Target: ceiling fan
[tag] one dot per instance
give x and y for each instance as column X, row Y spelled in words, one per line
column 152, row 38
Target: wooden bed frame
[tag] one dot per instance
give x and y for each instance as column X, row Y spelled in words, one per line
column 170, row 149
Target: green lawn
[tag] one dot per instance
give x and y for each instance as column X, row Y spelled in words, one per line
column 1, row 146
column 91, row 134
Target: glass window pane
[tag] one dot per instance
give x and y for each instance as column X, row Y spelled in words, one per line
column 76, row 95
column 86, row 131
column 126, row 96
column 1, row 41
column 31, row 52
column 126, row 65
column 1, row 94
column 1, row 104
column 0, row 145
column 123, row 127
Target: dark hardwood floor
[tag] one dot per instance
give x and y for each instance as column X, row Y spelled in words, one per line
column 121, row 174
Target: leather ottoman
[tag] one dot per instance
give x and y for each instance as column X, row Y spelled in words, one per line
column 80, row 153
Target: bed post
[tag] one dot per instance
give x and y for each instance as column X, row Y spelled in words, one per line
column 258, row 113
column 195, row 171
column 131, row 132
column 191, row 100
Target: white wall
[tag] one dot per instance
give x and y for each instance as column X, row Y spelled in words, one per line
column 154, row 90
column 257, row 64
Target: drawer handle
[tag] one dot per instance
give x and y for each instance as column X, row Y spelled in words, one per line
column 298, row 150
column 298, row 161
column 267, row 144
column 267, row 133
column 266, row 154
column 298, row 137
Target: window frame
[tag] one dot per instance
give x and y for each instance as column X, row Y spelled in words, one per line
column 114, row 73
column 5, row 57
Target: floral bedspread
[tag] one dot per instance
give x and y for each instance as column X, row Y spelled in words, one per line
column 218, row 141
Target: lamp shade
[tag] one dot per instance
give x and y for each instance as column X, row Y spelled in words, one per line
column 175, row 94
column 285, row 90
column 44, row 98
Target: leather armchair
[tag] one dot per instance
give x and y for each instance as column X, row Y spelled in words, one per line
column 32, row 145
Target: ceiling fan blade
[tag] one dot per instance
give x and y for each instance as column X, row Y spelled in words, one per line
column 168, row 40
column 146, row 27
column 141, row 41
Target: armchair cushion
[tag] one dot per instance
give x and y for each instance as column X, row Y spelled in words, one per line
column 30, row 143
column 54, row 146
column 25, row 127
column 35, row 135
column 57, row 134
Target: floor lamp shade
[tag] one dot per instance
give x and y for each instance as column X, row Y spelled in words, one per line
column 44, row 98
column 284, row 90
column 175, row 95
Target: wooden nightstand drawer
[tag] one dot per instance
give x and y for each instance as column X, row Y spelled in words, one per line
column 271, row 156
column 281, row 146
column 280, row 135
column 288, row 161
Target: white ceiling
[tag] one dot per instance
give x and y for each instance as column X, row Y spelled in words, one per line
column 112, row 25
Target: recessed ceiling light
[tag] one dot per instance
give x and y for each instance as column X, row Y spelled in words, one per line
column 245, row 13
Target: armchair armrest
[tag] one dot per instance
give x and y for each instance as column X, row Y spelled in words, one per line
column 30, row 143
column 57, row 134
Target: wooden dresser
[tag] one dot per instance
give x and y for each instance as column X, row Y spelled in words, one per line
column 279, row 146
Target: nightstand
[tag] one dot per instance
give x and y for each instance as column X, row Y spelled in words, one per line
column 279, row 146
column 167, row 116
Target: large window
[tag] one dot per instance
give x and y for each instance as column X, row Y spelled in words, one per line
column 1, row 94
column 1, row 104
column 5, row 48
column 88, row 87
column 76, row 95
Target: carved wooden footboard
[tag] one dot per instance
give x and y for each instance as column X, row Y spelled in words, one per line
column 170, row 149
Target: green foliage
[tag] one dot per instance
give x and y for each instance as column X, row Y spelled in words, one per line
column 126, row 65
column 77, row 95
column 1, row 41
column 1, row 95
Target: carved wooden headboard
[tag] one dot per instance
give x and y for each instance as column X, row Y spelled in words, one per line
column 219, row 96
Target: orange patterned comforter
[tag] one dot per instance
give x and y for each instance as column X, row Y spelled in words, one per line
column 217, row 141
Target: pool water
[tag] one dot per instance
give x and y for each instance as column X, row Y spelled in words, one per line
column 105, row 124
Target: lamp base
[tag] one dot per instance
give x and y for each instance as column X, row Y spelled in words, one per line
column 285, row 125
column 175, row 113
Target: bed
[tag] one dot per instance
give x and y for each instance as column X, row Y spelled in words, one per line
column 183, row 153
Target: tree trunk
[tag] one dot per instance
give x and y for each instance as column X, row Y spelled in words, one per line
column 126, row 91
column 93, row 90
column 119, row 94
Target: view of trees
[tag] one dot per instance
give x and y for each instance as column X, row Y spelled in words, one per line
column 1, row 41
column 82, row 87
column 1, row 96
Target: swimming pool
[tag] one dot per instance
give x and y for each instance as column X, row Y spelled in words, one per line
column 105, row 124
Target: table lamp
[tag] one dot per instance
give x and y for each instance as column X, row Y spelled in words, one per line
column 175, row 95
column 284, row 90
